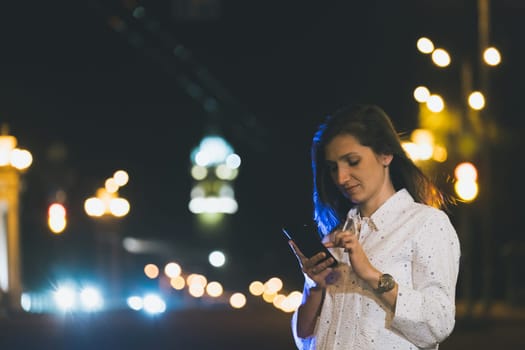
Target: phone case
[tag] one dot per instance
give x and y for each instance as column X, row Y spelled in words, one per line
column 308, row 240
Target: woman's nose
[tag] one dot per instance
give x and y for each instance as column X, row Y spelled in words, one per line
column 342, row 177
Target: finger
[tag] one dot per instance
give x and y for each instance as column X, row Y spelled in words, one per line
column 320, row 273
column 341, row 237
column 318, row 258
column 314, row 262
column 326, row 264
column 296, row 250
column 317, row 270
column 348, row 246
column 329, row 244
column 348, row 241
column 313, row 268
column 322, row 266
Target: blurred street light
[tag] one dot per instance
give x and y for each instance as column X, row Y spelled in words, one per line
column 56, row 218
column 466, row 184
column 492, row 56
column 425, row 45
column 106, row 200
column 476, row 100
column 422, row 146
column 13, row 162
column 106, row 207
column 441, row 57
column 470, row 131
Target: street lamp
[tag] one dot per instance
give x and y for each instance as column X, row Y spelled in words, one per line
column 466, row 185
column 106, row 206
column 13, row 162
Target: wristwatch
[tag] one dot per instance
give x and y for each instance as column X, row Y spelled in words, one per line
column 386, row 283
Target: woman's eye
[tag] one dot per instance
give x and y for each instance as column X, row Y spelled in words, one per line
column 353, row 162
column 331, row 168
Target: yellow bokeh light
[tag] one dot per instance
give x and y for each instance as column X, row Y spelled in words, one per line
column 94, row 207
column 466, row 190
column 214, row 289
column 466, row 171
column 440, row 154
column 256, row 288
column 292, row 301
column 268, row 297
column 238, row 300
column 273, row 285
column 57, row 209
column 278, row 300
column 421, row 94
column 196, row 279
column 121, row 177
column 57, row 218
column 196, row 290
column 7, row 145
column 425, row 45
column 178, row 282
column 476, row 100
column 422, row 136
column 466, row 186
column 111, row 185
column 57, row 224
column 21, row 158
column 492, row 56
column 435, row 103
column 151, row 271
column 119, row 206
column 441, row 58
column 411, row 150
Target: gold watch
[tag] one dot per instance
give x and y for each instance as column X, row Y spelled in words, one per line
column 386, row 283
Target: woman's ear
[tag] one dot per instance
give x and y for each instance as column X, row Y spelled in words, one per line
column 386, row 159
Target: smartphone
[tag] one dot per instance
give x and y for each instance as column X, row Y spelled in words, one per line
column 307, row 238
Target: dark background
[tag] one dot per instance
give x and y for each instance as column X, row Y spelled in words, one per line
column 88, row 88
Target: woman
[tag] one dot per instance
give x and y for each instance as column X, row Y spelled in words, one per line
column 394, row 285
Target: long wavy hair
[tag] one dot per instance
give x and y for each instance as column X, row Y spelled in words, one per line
column 373, row 128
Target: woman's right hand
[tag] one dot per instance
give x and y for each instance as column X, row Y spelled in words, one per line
column 316, row 268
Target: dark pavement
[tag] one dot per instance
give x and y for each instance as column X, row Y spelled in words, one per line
column 261, row 327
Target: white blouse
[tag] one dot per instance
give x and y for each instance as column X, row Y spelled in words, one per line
column 419, row 247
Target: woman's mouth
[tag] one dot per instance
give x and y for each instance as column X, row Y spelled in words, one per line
column 351, row 189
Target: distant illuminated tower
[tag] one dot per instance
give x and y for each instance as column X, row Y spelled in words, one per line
column 214, row 167
column 13, row 161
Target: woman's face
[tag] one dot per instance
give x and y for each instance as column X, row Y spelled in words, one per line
column 358, row 172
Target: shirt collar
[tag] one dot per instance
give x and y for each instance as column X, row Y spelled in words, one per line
column 382, row 217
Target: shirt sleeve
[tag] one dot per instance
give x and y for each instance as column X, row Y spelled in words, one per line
column 425, row 312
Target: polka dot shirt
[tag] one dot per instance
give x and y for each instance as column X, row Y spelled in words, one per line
column 419, row 247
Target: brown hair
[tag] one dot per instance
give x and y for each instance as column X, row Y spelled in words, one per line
column 373, row 128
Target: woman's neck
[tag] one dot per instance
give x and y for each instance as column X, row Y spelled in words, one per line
column 366, row 209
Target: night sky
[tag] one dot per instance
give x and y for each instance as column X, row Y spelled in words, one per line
column 89, row 89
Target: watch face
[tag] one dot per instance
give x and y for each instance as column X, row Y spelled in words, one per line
column 386, row 283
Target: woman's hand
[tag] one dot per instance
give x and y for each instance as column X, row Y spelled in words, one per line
column 358, row 259
column 317, row 268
